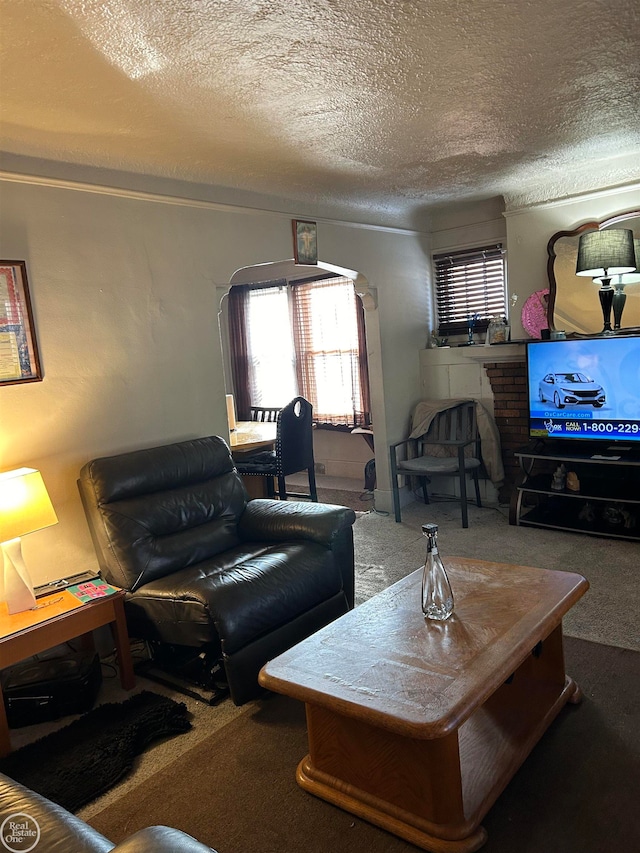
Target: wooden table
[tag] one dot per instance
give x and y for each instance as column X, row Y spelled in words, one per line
column 417, row 726
column 248, row 437
column 60, row 617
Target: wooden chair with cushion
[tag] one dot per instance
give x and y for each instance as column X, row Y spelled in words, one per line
column 444, row 441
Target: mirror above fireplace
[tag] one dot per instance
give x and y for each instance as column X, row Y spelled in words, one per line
column 574, row 305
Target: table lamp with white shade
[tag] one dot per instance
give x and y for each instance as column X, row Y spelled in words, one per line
column 24, row 508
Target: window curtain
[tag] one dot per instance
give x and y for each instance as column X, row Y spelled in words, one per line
column 238, row 304
column 331, row 356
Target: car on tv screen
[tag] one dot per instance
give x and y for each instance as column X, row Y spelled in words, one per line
column 571, row 389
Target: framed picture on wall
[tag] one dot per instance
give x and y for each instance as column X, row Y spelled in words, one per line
column 19, row 358
column 305, row 242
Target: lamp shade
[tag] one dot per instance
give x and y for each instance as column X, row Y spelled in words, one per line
column 24, row 503
column 606, row 253
column 633, row 277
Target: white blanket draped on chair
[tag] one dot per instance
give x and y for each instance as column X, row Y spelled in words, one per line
column 424, row 414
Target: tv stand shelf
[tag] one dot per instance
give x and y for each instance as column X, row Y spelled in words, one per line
column 608, row 503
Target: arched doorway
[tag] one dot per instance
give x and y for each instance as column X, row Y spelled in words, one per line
column 289, row 271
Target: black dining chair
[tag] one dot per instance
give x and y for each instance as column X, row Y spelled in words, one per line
column 293, row 451
column 264, row 414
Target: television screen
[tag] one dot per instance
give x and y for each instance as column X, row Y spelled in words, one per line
column 585, row 388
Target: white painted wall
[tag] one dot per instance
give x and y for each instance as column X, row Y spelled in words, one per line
column 458, row 372
column 342, row 454
column 125, row 290
column 530, row 229
column 454, row 372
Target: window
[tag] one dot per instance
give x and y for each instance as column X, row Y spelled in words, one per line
column 305, row 338
column 272, row 367
column 469, row 282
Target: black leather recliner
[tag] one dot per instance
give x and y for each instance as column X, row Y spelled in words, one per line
column 63, row 832
column 204, row 567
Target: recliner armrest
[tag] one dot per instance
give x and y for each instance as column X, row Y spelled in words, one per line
column 272, row 520
column 161, row 839
column 60, row 831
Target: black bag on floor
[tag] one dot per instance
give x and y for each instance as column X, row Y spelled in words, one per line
column 36, row 691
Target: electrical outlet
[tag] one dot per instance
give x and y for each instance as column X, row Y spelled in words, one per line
column 319, row 468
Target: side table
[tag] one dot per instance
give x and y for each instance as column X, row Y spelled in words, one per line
column 58, row 618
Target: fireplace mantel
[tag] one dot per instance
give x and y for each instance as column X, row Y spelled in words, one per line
column 495, row 353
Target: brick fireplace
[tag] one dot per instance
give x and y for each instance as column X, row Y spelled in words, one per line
column 510, row 406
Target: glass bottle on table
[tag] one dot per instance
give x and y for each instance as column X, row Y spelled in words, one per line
column 437, row 595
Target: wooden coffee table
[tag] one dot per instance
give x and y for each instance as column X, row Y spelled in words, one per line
column 418, row 726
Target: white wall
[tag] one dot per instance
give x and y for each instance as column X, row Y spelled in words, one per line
column 530, row 229
column 458, row 373
column 526, row 232
column 125, row 291
column 126, row 288
column 342, row 454
column 399, row 271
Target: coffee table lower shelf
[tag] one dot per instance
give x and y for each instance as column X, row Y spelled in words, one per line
column 435, row 793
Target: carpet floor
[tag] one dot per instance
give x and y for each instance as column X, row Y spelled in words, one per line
column 358, row 501
column 576, row 793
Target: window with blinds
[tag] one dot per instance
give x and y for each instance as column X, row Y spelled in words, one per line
column 307, row 338
column 467, row 283
column 327, row 345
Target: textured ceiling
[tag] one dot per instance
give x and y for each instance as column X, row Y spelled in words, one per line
column 372, row 110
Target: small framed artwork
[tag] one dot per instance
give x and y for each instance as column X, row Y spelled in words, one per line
column 19, row 358
column 305, row 242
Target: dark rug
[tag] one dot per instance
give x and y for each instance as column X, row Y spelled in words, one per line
column 83, row 760
column 576, row 793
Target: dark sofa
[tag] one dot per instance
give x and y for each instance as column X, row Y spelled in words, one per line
column 62, row 832
column 206, row 568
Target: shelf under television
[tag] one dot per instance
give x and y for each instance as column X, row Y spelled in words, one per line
column 538, row 517
column 611, row 487
column 539, row 485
